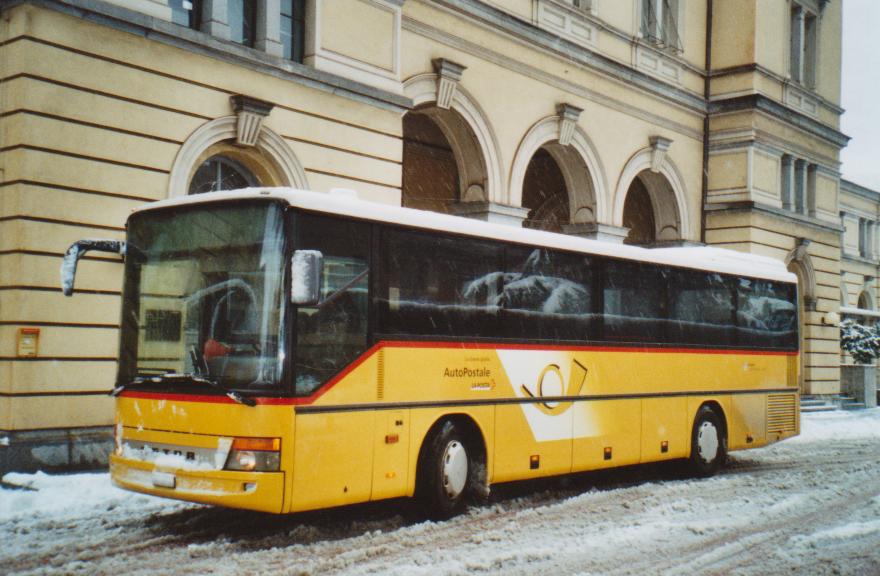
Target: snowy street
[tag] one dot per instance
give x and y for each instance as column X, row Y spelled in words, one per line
column 809, row 505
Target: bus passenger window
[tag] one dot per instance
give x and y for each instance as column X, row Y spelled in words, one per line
column 436, row 285
column 547, row 295
column 634, row 296
column 766, row 314
column 702, row 309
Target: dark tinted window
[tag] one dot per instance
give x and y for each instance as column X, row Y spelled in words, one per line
column 435, row 285
column 547, row 295
column 293, row 29
column 766, row 314
column 634, row 301
column 701, row 310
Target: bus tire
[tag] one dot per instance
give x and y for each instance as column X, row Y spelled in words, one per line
column 708, row 443
column 445, row 472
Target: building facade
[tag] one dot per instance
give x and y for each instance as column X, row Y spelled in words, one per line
column 651, row 122
column 860, row 252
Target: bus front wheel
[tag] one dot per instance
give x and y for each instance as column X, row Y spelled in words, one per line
column 445, row 472
column 708, row 443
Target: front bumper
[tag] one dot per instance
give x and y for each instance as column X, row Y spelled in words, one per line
column 261, row 491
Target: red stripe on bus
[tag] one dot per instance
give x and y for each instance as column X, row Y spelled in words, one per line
column 270, row 401
column 262, row 401
column 605, row 348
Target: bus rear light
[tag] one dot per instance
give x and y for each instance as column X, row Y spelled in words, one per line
column 255, row 455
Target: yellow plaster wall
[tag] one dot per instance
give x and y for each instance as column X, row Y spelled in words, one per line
column 733, row 34
column 520, row 8
column 828, row 76
column 826, row 193
column 772, row 36
column 729, row 171
column 359, row 29
column 694, row 28
column 765, row 173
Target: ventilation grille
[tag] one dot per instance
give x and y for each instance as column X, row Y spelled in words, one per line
column 781, row 413
column 380, row 374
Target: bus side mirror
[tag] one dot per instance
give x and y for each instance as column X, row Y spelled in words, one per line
column 77, row 250
column 305, row 286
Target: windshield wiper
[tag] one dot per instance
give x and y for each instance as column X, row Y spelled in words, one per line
column 189, row 378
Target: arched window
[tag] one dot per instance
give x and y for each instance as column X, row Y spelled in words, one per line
column 865, row 301
column 221, row 172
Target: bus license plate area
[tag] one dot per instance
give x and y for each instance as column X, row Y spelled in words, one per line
column 164, row 480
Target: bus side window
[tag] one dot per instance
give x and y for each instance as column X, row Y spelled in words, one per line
column 547, row 295
column 766, row 314
column 702, row 309
column 435, row 285
column 634, row 297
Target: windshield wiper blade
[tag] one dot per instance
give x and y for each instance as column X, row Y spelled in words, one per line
column 191, row 378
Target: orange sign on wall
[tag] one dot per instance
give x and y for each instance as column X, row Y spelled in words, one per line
column 28, row 342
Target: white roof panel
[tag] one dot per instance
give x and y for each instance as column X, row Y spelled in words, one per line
column 695, row 257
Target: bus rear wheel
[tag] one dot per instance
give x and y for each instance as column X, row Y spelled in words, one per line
column 708, row 443
column 445, row 472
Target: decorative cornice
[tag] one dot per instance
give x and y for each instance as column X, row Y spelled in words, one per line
column 773, row 108
column 757, row 68
column 850, row 187
column 751, row 206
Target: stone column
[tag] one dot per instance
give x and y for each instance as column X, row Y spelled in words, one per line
column 787, row 182
column 269, row 27
column 811, row 190
column 215, row 18
column 800, row 186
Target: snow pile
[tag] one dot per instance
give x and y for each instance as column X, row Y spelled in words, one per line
column 66, row 495
column 832, row 426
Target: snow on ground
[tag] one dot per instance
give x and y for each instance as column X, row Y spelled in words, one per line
column 809, row 505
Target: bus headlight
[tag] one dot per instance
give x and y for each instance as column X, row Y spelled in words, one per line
column 254, row 455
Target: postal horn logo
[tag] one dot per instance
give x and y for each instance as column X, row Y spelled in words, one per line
column 550, row 380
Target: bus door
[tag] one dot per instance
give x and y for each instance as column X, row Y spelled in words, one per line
column 333, row 439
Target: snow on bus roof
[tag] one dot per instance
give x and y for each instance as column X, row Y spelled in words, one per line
column 695, row 257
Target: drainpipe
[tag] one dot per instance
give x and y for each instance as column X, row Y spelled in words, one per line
column 706, row 95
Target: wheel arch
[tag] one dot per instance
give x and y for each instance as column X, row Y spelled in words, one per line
column 476, row 437
column 717, row 405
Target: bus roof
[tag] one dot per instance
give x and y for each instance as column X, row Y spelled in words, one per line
column 347, row 204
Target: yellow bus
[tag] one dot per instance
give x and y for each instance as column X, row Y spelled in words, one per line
column 284, row 351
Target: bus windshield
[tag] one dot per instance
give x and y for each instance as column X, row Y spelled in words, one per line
column 203, row 298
